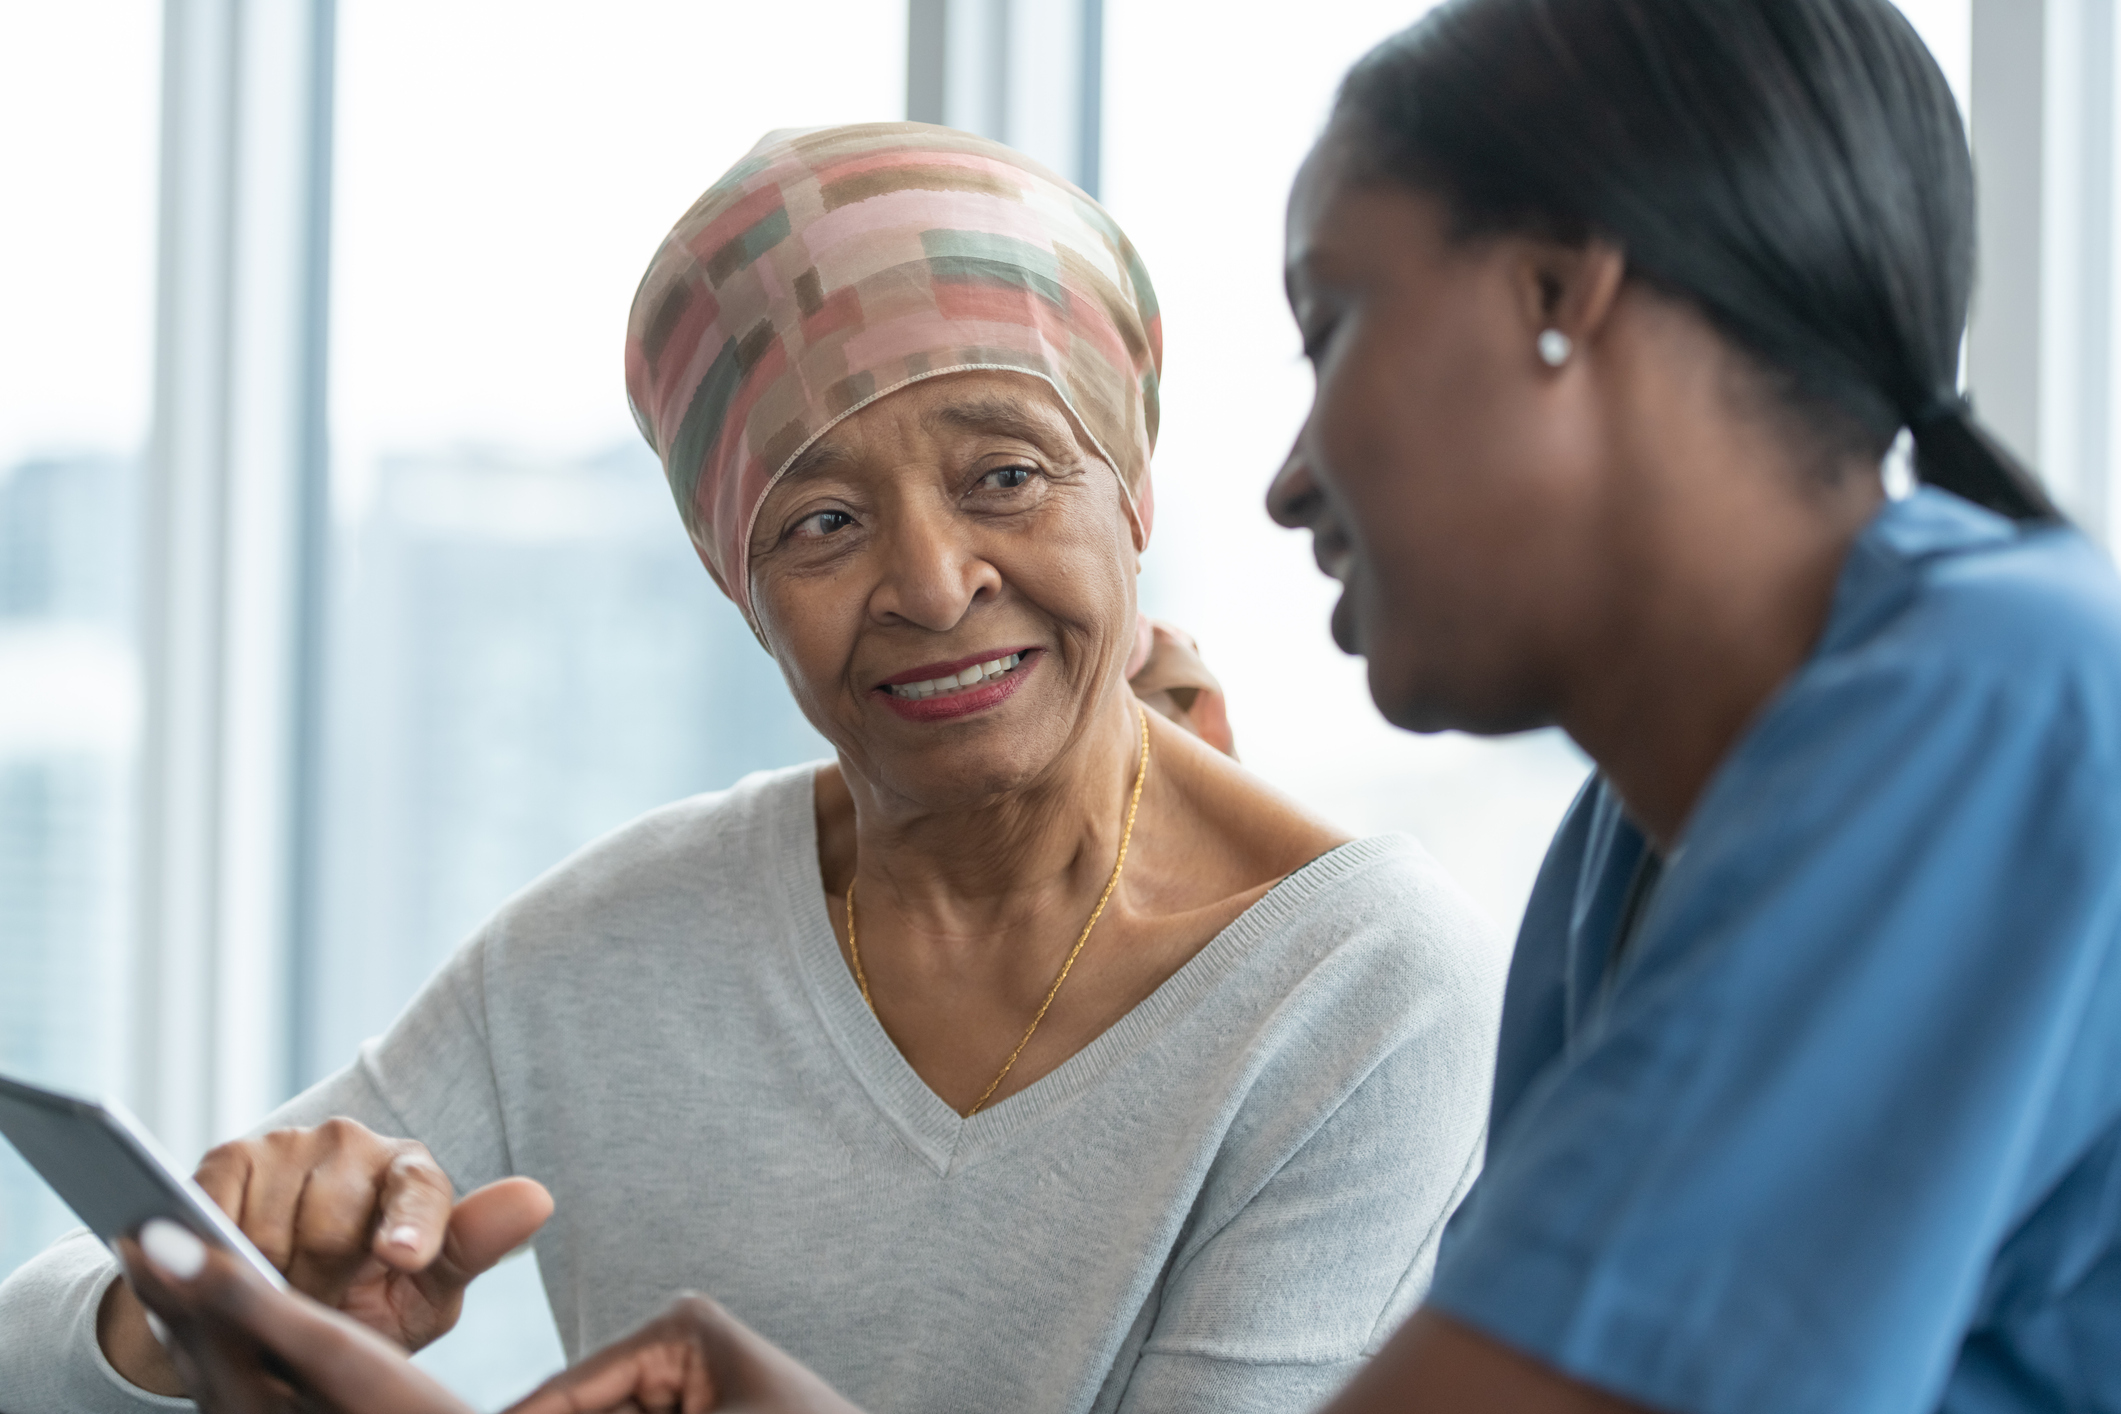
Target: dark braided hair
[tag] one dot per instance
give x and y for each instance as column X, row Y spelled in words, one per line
column 1796, row 169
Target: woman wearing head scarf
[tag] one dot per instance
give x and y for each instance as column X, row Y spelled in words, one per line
column 1026, row 1055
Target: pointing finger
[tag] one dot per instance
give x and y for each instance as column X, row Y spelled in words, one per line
column 414, row 1213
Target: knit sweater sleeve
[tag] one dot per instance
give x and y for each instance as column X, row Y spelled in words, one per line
column 428, row 1079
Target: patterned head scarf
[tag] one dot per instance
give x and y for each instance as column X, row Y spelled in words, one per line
column 833, row 267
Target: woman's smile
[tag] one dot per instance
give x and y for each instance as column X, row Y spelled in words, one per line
column 937, row 692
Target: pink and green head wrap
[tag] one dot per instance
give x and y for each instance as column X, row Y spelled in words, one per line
column 833, row 267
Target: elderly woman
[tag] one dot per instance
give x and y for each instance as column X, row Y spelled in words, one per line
column 1028, row 1054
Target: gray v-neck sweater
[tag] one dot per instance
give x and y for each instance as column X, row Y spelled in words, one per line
column 1222, row 1203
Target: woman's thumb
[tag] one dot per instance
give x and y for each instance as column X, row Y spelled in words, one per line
column 489, row 1224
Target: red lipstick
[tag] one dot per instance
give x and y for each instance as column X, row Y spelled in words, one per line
column 956, row 665
column 977, row 697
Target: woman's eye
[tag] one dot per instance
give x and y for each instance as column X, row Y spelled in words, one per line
column 1007, row 478
column 821, row 524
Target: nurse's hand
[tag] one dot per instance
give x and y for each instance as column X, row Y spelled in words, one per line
column 365, row 1224
column 692, row 1358
column 242, row 1347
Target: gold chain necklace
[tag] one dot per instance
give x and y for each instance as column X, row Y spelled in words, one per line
column 1141, row 773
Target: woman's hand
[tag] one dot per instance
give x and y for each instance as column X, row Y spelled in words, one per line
column 242, row 1347
column 370, row 1224
column 363, row 1223
column 694, row 1357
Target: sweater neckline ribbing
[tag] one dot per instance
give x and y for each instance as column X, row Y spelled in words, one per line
column 944, row 1138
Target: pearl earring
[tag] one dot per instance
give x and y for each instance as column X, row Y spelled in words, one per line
column 1554, row 348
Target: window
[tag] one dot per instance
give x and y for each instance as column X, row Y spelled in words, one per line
column 77, row 282
column 1209, row 227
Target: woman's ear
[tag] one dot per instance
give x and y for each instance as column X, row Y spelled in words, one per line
column 1568, row 289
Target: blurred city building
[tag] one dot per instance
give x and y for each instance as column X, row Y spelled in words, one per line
column 66, row 599
column 525, row 655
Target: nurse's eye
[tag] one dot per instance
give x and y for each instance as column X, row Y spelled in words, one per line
column 819, row 525
column 1318, row 338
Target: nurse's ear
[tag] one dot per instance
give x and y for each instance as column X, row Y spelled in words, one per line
column 1565, row 294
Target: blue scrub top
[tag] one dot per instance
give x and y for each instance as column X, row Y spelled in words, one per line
column 1840, row 1127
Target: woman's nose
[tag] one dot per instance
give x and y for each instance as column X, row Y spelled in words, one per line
column 1293, row 497
column 933, row 574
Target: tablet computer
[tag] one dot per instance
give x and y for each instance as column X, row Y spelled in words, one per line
column 111, row 1171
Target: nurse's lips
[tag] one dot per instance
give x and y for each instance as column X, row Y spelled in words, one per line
column 1336, row 559
column 1347, row 632
column 1335, row 556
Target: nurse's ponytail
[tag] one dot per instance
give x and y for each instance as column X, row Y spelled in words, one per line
column 1953, row 450
column 1795, row 168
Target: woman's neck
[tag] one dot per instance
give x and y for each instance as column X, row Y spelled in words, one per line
column 967, row 873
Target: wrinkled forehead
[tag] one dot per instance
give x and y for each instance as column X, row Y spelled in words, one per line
column 947, row 409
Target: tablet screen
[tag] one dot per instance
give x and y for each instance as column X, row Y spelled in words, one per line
column 110, row 1170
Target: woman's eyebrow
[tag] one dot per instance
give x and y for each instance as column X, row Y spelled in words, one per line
column 814, row 459
column 1003, row 415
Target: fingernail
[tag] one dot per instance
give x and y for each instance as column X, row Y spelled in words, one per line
column 173, row 1249
column 155, row 1327
column 404, row 1235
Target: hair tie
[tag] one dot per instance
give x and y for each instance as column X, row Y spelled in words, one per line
column 1945, row 407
